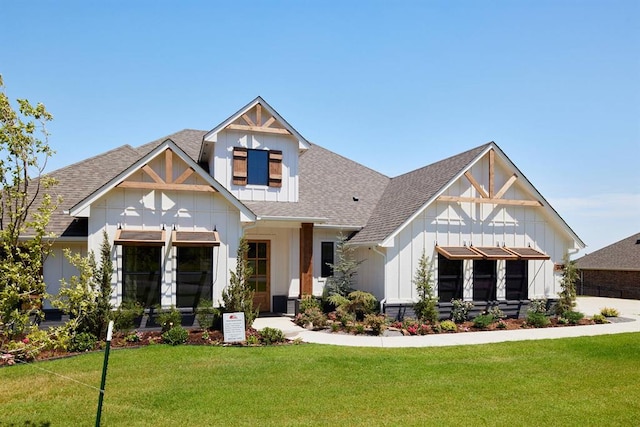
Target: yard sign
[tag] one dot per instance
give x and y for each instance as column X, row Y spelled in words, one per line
column 233, row 327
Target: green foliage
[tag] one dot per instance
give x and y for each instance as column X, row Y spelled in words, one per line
column 377, row 323
column 338, row 300
column 238, row 295
column 609, row 312
column 169, row 318
column 538, row 306
column 537, row 320
column 567, row 295
column 501, row 325
column 573, row 317
column 345, row 269
column 271, row 336
column 599, row 318
column 496, row 313
column 359, row 328
column 427, row 306
column 104, row 274
column 125, row 315
column 448, row 325
column 308, row 301
column 483, row 321
column 312, row 316
column 361, row 303
column 460, row 310
column 83, row 341
column 207, row 315
column 175, row 336
column 25, row 209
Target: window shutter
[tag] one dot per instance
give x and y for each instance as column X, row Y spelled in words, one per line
column 275, row 168
column 240, row 166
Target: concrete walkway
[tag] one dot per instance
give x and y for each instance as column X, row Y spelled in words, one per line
column 629, row 322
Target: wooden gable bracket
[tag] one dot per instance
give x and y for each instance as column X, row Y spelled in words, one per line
column 258, row 126
column 168, row 183
column 492, row 197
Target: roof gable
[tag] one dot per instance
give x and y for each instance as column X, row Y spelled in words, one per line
column 256, row 116
column 167, row 182
column 622, row 255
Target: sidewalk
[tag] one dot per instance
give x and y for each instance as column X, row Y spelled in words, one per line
column 629, row 310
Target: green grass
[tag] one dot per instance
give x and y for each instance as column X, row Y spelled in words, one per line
column 577, row 381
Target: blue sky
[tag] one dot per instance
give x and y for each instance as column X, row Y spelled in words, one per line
column 392, row 85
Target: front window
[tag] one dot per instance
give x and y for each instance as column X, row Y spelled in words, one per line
column 194, row 275
column 516, row 278
column 258, row 167
column 326, row 258
column 141, row 274
column 449, row 278
column 484, row 280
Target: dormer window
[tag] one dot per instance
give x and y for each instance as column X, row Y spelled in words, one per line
column 257, row 167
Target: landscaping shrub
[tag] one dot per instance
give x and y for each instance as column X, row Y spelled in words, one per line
column 309, row 301
column 538, row 306
column 573, row 317
column 175, row 336
column 207, row 315
column 313, row 316
column 496, row 313
column 377, row 323
column 567, row 295
column 238, row 295
column 460, row 310
column 599, row 318
column 501, row 325
column 271, row 336
column 448, row 326
column 426, row 308
column 83, row 341
column 362, row 303
column 483, row 321
column 537, row 320
column 125, row 316
column 609, row 312
column 169, row 318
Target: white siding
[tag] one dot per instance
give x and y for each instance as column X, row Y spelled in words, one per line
column 57, row 267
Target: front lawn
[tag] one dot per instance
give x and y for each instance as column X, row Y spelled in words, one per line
column 577, row 381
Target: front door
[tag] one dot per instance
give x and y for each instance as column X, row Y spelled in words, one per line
column 258, row 257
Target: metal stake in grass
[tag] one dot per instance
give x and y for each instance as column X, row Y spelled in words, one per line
column 104, row 373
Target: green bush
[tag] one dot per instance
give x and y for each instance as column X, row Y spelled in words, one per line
column 427, row 306
column 308, row 301
column 83, row 341
column 175, row 336
column 573, row 317
column 609, row 312
column 313, row 316
column 537, row 320
column 125, row 316
column 362, row 303
column 483, row 321
column 271, row 336
column 599, row 318
column 538, row 306
column 460, row 310
column 501, row 325
column 169, row 318
column 496, row 313
column 207, row 315
column 377, row 323
column 448, row 326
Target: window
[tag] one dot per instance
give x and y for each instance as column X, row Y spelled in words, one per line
column 449, row 279
column 194, row 275
column 517, row 276
column 257, row 167
column 326, row 258
column 484, row 280
column 141, row 274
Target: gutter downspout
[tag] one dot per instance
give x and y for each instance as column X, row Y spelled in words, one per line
column 384, row 275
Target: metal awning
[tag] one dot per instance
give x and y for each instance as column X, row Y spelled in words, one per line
column 139, row 238
column 195, row 238
column 490, row 253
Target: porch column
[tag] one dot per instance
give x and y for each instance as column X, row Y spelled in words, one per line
column 306, row 259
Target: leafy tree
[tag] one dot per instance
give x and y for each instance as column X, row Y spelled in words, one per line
column 25, row 210
column 238, row 295
column 426, row 307
column 567, row 300
column 345, row 269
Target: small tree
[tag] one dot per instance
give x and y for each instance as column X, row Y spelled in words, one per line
column 426, row 307
column 345, row 269
column 24, row 211
column 567, row 300
column 238, row 295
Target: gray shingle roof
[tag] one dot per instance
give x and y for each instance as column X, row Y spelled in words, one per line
column 407, row 193
column 623, row 255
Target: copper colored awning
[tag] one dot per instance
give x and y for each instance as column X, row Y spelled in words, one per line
column 458, row 252
column 195, row 238
column 490, row 253
column 139, row 238
column 495, row 253
column 528, row 253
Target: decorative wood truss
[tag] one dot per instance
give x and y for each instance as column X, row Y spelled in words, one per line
column 492, row 197
column 168, row 183
column 258, row 125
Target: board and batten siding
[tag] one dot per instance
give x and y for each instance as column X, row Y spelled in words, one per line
column 221, row 165
column 460, row 223
column 57, row 267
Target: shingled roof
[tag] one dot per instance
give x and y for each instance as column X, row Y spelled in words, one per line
column 623, row 255
column 407, row 193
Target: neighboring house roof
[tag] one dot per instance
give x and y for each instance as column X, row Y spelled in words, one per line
column 406, row 194
column 623, row 255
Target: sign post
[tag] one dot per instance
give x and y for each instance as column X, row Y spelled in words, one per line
column 104, row 372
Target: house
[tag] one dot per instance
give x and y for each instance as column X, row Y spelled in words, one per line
column 175, row 210
column 613, row 271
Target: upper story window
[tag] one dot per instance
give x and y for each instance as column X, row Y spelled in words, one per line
column 257, row 167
